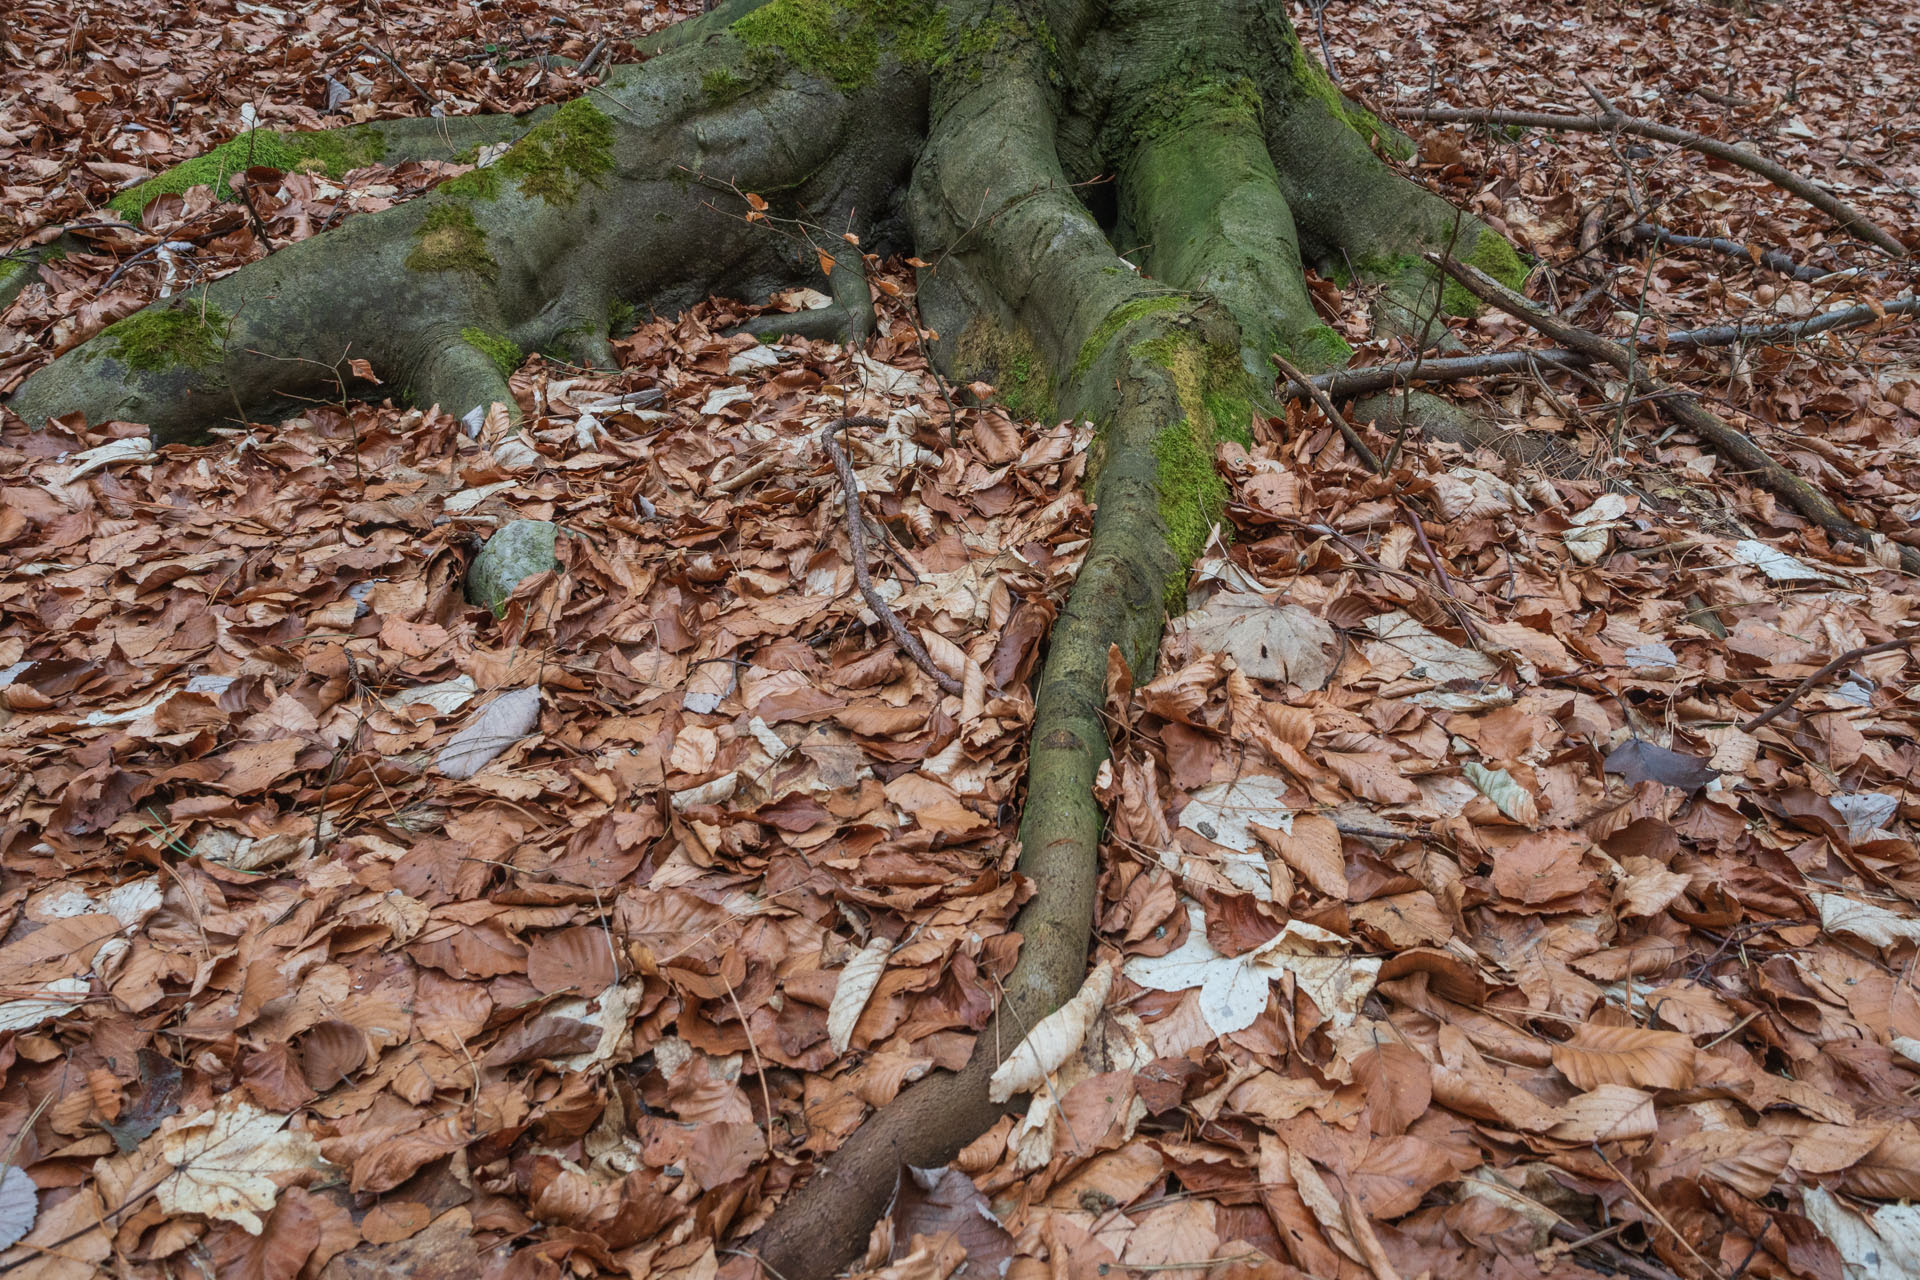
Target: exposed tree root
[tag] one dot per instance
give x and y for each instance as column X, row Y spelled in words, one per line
column 1235, row 158
column 1732, row 443
column 1851, row 220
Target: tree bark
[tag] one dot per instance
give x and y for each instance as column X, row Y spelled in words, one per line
column 1021, row 147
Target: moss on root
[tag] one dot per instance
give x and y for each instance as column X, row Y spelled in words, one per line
column 163, row 338
column 449, row 239
column 333, row 152
column 1182, row 101
column 1118, row 320
column 475, row 184
column 1012, row 363
column 1216, row 398
column 842, row 41
column 502, row 351
column 1319, row 349
column 1311, row 79
column 722, row 87
column 561, row 154
column 1493, row 255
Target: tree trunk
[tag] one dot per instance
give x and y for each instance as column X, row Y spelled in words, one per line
column 1115, row 200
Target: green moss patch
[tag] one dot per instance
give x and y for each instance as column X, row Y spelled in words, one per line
column 163, row 338
column 1216, row 397
column 1311, row 79
column 503, row 351
column 475, row 184
column 333, row 152
column 1012, row 363
column 561, row 155
column 841, row 41
column 1118, row 320
column 721, row 86
column 1182, row 101
column 1493, row 255
column 1319, row 349
column 448, row 239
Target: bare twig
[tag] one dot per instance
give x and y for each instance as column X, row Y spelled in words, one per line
column 400, row 71
column 1321, row 399
column 1845, row 659
column 1732, row 443
column 1770, row 258
column 1849, row 218
column 857, row 541
column 1347, row 383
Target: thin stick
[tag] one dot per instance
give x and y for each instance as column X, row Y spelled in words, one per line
column 1851, row 655
column 1347, row 383
column 857, row 538
column 1849, row 218
column 1771, row 258
column 1729, row 441
column 1321, row 399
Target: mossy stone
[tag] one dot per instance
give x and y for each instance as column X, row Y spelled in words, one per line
column 518, row 550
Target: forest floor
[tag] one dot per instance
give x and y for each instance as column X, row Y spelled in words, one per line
column 1457, row 918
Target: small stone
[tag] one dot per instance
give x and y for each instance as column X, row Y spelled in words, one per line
column 519, row 550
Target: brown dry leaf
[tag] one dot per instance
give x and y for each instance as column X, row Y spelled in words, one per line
column 1596, row 1055
column 1610, row 1113
column 1313, row 849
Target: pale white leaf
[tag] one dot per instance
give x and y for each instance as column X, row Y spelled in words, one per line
column 1866, row 812
column 444, row 696
column 225, row 1162
column 1777, row 564
column 1398, row 636
column 721, row 397
column 19, row 1206
column 1226, row 812
column 1267, row 641
column 1881, row 927
column 1053, row 1040
column 1507, row 795
column 132, row 902
column 56, row 999
column 507, row 719
column 1233, row 989
column 721, row 788
column 857, row 982
column 114, row 452
column 1882, row 1245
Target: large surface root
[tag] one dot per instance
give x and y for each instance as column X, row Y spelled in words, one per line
column 624, row 196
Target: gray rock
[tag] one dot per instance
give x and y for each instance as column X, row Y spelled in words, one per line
column 518, row 550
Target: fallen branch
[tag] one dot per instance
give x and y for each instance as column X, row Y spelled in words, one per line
column 1772, row 259
column 857, row 537
column 1850, row 219
column 1845, row 659
column 1732, row 443
column 1334, row 416
column 1347, row 383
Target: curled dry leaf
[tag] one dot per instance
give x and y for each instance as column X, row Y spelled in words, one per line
column 857, row 981
column 1053, row 1039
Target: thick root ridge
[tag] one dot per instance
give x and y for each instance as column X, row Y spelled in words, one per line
column 630, row 193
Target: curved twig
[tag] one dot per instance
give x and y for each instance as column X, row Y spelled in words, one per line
column 1850, row 219
column 1346, row 383
column 857, row 537
column 1729, row 441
